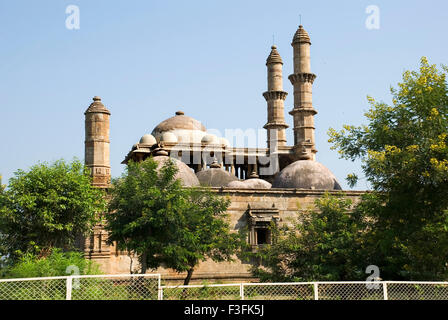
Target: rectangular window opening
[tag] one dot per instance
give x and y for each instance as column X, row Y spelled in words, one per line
column 262, row 236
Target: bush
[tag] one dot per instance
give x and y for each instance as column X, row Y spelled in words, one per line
column 57, row 263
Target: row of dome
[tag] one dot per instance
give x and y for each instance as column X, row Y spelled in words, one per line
column 184, row 136
column 302, row 174
column 182, row 129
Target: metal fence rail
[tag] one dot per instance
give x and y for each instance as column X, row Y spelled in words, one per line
column 148, row 287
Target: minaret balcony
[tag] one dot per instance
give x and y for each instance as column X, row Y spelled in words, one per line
column 275, row 95
column 302, row 77
column 303, row 111
column 276, row 125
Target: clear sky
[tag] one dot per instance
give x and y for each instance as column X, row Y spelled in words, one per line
column 148, row 59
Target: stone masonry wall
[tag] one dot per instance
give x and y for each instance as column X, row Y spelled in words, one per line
column 291, row 204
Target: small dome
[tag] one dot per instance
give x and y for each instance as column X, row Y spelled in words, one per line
column 224, row 142
column 250, row 184
column 189, row 136
column 184, row 173
column 215, row 177
column 306, row 174
column 148, row 139
column 210, row 139
column 168, row 137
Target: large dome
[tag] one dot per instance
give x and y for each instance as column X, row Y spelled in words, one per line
column 185, row 128
column 184, row 173
column 215, row 177
column 306, row 174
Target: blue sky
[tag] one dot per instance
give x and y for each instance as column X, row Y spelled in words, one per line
column 148, row 59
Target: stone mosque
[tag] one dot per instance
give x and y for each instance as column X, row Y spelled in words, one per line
column 264, row 185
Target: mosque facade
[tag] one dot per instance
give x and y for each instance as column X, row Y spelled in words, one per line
column 265, row 185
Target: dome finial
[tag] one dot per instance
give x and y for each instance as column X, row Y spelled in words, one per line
column 96, row 98
column 215, row 164
column 160, row 151
column 253, row 175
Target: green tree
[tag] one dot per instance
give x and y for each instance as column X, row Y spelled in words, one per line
column 404, row 156
column 152, row 216
column 3, row 250
column 323, row 246
column 2, row 187
column 48, row 207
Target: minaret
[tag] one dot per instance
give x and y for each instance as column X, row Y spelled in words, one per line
column 302, row 79
column 275, row 98
column 97, row 144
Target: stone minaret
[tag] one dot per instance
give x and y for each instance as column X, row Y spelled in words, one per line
column 275, row 97
column 97, row 144
column 302, row 79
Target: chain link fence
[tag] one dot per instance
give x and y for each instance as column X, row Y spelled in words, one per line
column 148, row 287
column 417, row 291
column 278, row 291
column 34, row 289
column 202, row 292
column 351, row 291
column 103, row 287
column 355, row 290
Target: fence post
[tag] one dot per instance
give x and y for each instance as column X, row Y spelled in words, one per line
column 159, row 288
column 160, row 297
column 316, row 291
column 242, row 291
column 69, row 282
column 386, row 296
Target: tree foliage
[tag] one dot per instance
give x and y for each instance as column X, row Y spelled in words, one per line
column 404, row 153
column 48, row 207
column 2, row 187
column 164, row 224
column 325, row 245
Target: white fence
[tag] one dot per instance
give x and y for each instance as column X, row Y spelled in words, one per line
column 148, row 287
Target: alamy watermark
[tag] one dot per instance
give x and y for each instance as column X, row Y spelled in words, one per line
column 74, row 271
column 72, row 22
column 372, row 280
column 192, row 150
column 373, row 20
